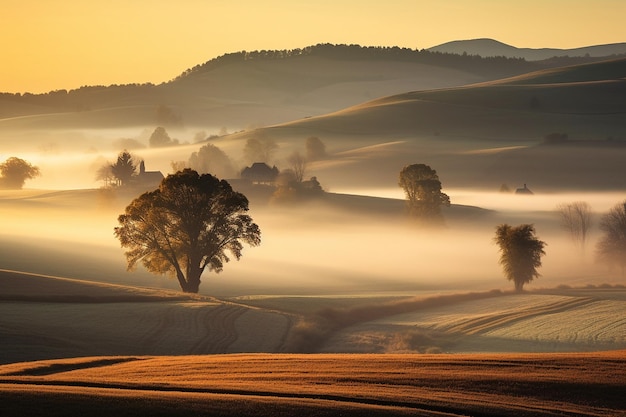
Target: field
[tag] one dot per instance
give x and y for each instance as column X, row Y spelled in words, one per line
column 348, row 307
column 580, row 384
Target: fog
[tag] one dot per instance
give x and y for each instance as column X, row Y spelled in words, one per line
column 312, row 249
column 307, row 249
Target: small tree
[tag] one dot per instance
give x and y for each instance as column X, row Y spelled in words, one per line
column 15, row 171
column 423, row 192
column 576, row 220
column 187, row 226
column 297, row 163
column 212, row 160
column 611, row 248
column 315, row 148
column 105, row 174
column 520, row 253
column 259, row 149
column 124, row 168
column 160, row 138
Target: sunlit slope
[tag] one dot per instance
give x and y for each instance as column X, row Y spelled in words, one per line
column 49, row 317
column 612, row 69
column 564, row 320
column 589, row 102
column 487, row 134
column 321, row 385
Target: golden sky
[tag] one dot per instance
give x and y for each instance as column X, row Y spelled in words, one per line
column 64, row 44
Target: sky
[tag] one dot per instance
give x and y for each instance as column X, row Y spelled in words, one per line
column 50, row 45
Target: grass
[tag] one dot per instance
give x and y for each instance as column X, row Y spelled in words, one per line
column 259, row 385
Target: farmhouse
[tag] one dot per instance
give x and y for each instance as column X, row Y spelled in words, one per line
column 525, row 190
column 260, row 173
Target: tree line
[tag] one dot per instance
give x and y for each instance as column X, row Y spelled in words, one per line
column 344, row 52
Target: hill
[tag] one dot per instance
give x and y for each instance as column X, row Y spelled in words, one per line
column 492, row 48
column 326, row 385
column 241, row 89
column 490, row 133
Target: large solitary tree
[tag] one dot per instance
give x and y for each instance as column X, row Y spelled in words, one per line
column 189, row 224
column 520, row 253
column 15, row 171
column 423, row 192
column 611, row 248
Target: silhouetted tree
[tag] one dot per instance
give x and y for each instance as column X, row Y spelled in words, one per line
column 611, row 248
column 212, row 160
column 315, row 148
column 160, row 138
column 520, row 253
column 576, row 219
column 186, row 226
column 124, row 168
column 297, row 163
column 423, row 192
column 259, row 149
column 105, row 174
column 178, row 165
column 15, row 171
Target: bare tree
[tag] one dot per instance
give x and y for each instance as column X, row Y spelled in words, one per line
column 298, row 164
column 611, row 247
column 576, row 219
column 105, row 174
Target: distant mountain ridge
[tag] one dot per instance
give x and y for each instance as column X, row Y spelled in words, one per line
column 486, row 47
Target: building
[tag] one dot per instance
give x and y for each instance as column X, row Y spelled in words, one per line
column 148, row 179
column 260, row 173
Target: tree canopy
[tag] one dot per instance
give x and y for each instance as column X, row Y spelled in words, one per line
column 189, row 224
column 160, row 138
column 15, row 171
column 210, row 159
column 611, row 248
column 423, row 192
column 520, row 253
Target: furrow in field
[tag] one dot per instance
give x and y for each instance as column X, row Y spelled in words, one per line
column 485, row 323
column 219, row 329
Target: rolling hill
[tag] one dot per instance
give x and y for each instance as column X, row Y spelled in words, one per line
column 491, row 48
column 245, row 89
column 491, row 133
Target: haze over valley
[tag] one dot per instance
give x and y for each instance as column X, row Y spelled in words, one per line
column 345, row 269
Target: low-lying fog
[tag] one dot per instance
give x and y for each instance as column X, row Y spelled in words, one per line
column 305, row 250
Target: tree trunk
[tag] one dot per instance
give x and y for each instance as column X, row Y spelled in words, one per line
column 192, row 284
column 519, row 286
